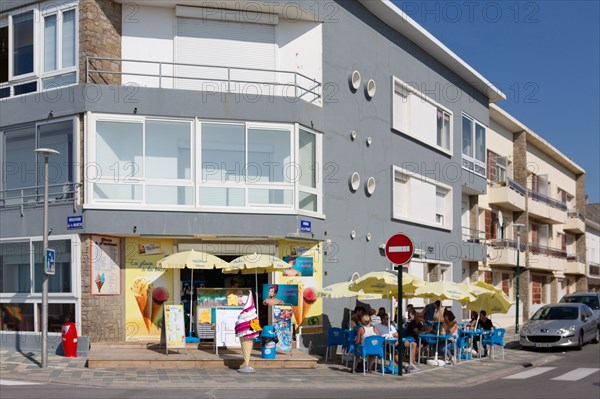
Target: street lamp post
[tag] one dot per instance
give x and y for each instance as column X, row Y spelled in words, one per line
column 518, row 226
column 46, row 152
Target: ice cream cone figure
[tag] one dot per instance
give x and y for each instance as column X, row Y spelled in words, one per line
column 246, row 329
column 298, row 313
column 160, row 295
column 141, row 289
column 309, row 297
column 100, row 281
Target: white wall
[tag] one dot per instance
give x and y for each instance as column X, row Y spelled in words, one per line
column 558, row 176
column 151, row 38
column 500, row 141
column 592, row 243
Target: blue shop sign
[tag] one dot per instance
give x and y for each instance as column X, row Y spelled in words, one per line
column 74, row 222
column 306, row 226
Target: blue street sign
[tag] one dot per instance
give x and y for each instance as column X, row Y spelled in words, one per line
column 50, row 258
column 306, row 226
column 74, row 222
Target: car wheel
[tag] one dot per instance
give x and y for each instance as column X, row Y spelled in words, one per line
column 580, row 341
column 597, row 337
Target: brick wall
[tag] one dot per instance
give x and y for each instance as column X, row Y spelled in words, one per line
column 102, row 317
column 100, row 36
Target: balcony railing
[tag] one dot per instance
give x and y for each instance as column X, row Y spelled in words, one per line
column 213, row 78
column 575, row 258
column 547, row 200
column 515, row 186
column 34, row 196
column 574, row 213
column 504, row 244
column 548, row 251
column 473, row 235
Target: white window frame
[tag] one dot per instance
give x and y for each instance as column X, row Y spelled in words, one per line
column 411, row 94
column 470, row 159
column 447, row 223
column 196, row 176
column 59, row 71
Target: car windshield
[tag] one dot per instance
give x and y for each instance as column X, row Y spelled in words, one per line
column 590, row 300
column 556, row 313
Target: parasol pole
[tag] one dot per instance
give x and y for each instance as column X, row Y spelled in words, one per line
column 191, row 299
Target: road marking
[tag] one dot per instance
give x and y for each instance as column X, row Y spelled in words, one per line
column 11, row 382
column 529, row 373
column 577, row 374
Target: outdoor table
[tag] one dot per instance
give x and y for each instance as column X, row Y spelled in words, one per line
column 436, row 337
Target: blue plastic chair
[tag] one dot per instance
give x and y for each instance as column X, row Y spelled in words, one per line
column 335, row 336
column 495, row 339
column 373, row 346
column 462, row 347
column 350, row 343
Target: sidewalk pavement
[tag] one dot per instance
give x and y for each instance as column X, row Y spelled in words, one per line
column 72, row 371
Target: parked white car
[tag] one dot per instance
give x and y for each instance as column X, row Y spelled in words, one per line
column 562, row 324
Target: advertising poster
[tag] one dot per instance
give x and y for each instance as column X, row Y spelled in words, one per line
column 174, row 326
column 105, row 271
column 146, row 287
column 299, row 266
column 282, row 320
column 309, row 309
column 280, row 294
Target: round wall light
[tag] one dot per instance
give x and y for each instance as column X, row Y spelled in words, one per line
column 353, row 135
column 354, row 80
column 368, row 236
column 354, row 181
column 369, row 141
column 370, row 186
column 370, row 88
column 353, row 234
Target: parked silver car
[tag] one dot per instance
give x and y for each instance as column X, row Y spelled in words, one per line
column 562, row 324
column 592, row 299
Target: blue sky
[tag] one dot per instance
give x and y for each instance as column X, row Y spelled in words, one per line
column 544, row 55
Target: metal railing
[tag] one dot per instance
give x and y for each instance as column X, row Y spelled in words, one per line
column 538, row 249
column 34, row 196
column 574, row 213
column 473, row 235
column 231, row 79
column 515, row 186
column 506, row 243
column 575, row 258
column 547, row 200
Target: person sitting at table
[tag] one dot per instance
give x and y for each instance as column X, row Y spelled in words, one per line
column 472, row 325
column 450, row 327
column 405, row 317
column 357, row 315
column 486, row 325
column 375, row 319
column 364, row 331
column 385, row 329
column 381, row 312
column 414, row 328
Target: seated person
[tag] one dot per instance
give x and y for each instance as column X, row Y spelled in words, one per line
column 483, row 324
column 374, row 318
column 357, row 315
column 385, row 329
column 414, row 328
column 472, row 324
column 450, row 327
column 364, row 331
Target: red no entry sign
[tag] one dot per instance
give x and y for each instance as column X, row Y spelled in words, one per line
column 399, row 249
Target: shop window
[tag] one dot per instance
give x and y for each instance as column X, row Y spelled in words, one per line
column 15, row 269
column 17, row 317
column 61, row 281
column 59, row 314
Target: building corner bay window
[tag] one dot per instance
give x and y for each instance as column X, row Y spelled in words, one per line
column 240, row 164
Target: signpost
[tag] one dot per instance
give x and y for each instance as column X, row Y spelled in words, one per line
column 399, row 250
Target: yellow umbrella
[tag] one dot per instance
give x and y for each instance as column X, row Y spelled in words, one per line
column 491, row 299
column 444, row 290
column 192, row 260
column 342, row 290
column 385, row 283
column 254, row 264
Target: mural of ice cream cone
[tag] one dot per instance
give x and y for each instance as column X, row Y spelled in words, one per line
column 160, row 295
column 141, row 289
column 309, row 297
column 100, row 279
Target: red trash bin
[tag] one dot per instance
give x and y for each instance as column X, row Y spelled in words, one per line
column 69, row 339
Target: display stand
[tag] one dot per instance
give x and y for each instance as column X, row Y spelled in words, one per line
column 282, row 321
column 172, row 333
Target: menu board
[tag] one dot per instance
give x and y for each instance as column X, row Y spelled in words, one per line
column 221, row 297
column 105, row 270
column 174, row 329
column 225, row 319
column 282, row 320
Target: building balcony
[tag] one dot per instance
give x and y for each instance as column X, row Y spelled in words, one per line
column 547, row 258
column 474, row 248
column 546, row 209
column 575, row 222
column 504, row 253
column 252, row 82
column 507, row 194
column 26, row 197
column 575, row 265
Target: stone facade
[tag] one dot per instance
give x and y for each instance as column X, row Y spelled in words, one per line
column 100, row 36
column 102, row 316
